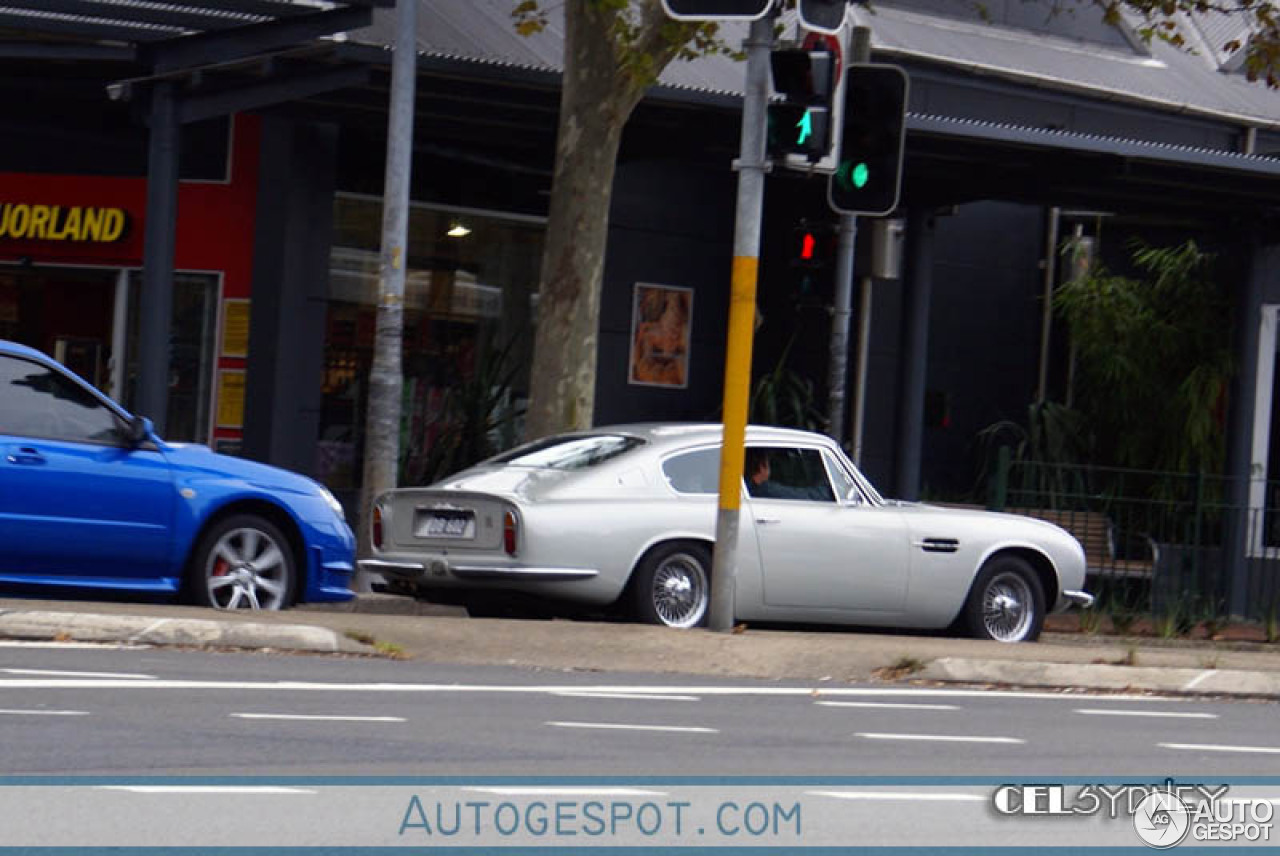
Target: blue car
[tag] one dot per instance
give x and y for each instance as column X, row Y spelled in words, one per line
column 91, row 500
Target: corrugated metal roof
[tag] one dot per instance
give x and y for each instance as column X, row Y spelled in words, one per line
column 484, row 31
column 1168, row 79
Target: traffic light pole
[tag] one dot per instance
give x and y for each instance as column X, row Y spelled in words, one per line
column 839, row 364
column 742, row 314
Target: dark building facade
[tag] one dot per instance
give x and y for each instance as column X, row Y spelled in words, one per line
column 1021, row 127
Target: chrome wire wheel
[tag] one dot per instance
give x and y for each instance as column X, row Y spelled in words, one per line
column 1008, row 607
column 679, row 592
column 248, row 566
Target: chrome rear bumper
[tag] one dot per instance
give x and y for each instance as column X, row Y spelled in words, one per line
column 1082, row 599
column 440, row 567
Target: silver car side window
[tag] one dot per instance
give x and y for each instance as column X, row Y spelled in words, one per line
column 787, row 473
column 696, row 472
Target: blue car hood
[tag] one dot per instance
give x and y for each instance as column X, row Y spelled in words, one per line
column 201, row 461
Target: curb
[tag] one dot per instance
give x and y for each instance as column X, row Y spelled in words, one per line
column 147, row 630
column 1196, row 682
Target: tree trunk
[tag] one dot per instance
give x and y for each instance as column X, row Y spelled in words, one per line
column 595, row 103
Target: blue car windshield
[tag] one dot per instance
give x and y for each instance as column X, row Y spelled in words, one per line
column 569, row 453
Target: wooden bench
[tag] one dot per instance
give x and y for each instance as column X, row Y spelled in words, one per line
column 1096, row 534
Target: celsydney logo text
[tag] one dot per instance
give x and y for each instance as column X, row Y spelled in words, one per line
column 1114, row 801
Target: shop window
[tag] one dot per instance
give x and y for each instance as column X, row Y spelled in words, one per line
column 468, row 337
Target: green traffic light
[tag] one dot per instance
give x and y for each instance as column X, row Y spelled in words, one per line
column 853, row 176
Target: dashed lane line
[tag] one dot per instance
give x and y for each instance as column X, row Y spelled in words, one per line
column 941, row 738
column 888, row 705
column 1168, row 714
column 306, row 717
column 618, row 726
column 1215, row 747
column 65, row 674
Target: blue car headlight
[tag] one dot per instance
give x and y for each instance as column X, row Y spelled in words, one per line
column 332, row 501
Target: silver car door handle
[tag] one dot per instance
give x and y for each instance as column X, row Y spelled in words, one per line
column 765, row 521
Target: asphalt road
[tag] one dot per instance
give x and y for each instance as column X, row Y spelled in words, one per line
column 90, row 711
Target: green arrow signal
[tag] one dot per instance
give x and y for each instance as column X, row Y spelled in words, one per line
column 806, row 128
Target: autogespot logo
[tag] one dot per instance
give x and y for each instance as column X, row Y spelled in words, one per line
column 1162, row 820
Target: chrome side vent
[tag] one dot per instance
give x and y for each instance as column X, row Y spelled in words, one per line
column 939, row 545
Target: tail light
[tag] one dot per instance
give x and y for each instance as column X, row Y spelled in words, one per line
column 509, row 528
column 377, row 527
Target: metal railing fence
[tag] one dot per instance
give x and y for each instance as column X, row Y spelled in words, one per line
column 1185, row 548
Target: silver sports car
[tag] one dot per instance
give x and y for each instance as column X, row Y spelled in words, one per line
column 625, row 515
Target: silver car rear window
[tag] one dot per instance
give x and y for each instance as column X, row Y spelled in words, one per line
column 571, row 452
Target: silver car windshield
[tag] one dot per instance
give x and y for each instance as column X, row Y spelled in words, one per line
column 571, row 452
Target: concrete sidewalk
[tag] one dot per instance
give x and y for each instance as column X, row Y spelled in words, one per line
column 379, row 625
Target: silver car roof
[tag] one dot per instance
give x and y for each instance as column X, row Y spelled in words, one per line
column 661, row 434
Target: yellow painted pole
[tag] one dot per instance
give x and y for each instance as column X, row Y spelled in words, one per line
column 737, row 376
column 742, row 316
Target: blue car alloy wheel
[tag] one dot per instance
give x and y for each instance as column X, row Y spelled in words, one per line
column 244, row 562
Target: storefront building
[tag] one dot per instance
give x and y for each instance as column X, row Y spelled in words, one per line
column 70, row 258
column 470, row 287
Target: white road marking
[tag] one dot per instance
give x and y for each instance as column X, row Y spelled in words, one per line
column 206, row 789
column 552, row 689
column 894, row 795
column 684, row 729
column 889, row 704
column 1090, row 711
column 317, row 717
column 72, row 646
column 1213, row 747
column 568, row 792
column 44, row 713
column 632, row 696
column 946, row 738
column 61, row 674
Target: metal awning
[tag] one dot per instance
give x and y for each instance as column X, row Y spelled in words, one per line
column 1068, row 141
column 952, row 161
column 143, row 22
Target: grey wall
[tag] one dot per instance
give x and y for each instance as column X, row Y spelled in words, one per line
column 984, row 325
column 290, row 279
column 669, row 225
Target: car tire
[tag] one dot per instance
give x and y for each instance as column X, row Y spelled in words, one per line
column 1006, row 603
column 243, row 562
column 672, row 585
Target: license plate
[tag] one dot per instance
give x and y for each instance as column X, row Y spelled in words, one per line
column 446, row 524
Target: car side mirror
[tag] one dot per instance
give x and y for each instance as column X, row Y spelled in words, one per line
column 140, row 430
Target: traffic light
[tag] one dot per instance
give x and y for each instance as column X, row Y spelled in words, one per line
column 813, row 253
column 825, row 16
column 812, row 244
column 716, row 10
column 801, row 123
column 869, row 170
